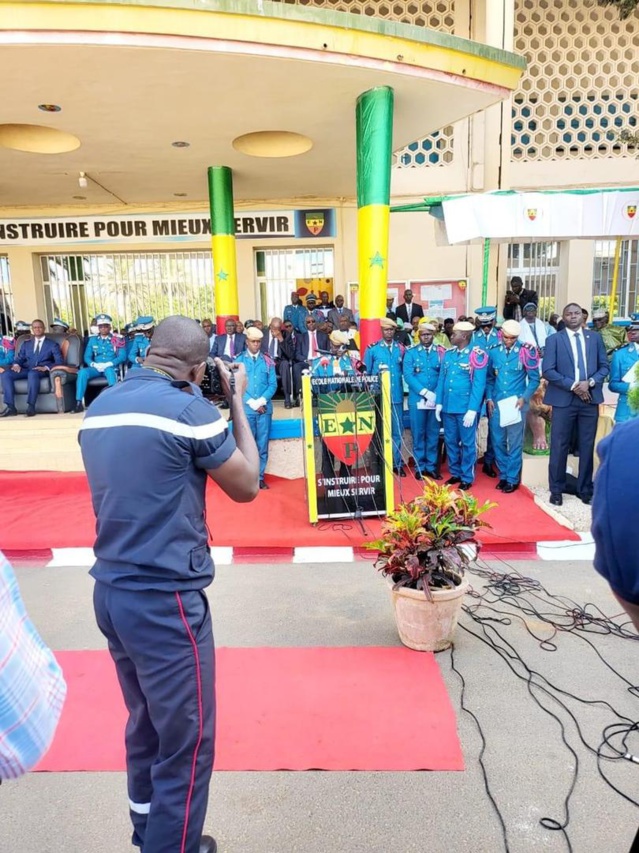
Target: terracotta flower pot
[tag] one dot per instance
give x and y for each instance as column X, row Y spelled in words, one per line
column 423, row 625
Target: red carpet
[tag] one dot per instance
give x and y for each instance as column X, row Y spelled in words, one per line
column 282, row 709
column 41, row 510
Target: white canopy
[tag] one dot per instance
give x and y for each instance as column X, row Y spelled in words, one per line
column 563, row 215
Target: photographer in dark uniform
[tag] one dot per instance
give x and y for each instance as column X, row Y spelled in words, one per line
column 156, row 433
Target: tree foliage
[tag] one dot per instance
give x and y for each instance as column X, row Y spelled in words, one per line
column 625, row 7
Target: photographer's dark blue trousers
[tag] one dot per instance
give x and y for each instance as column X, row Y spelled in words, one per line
column 162, row 645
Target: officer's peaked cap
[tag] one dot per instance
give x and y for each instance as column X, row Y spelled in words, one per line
column 486, row 314
column 102, row 319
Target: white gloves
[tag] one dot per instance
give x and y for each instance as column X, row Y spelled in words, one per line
column 430, row 397
column 101, row 366
column 438, row 411
column 256, row 404
column 261, row 401
column 469, row 418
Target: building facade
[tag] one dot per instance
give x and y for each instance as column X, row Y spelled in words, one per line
column 559, row 129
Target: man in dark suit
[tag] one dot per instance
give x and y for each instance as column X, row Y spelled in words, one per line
column 35, row 358
column 229, row 345
column 516, row 298
column 308, row 346
column 272, row 344
column 287, row 356
column 339, row 311
column 409, row 309
column 575, row 366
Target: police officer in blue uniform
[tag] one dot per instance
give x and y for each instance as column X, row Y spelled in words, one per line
column 460, row 391
column 261, row 384
column 103, row 354
column 624, row 359
column 486, row 336
column 7, row 351
column 389, row 353
column 337, row 364
column 422, row 363
column 147, row 476
column 513, row 371
column 313, row 309
column 296, row 313
column 138, row 347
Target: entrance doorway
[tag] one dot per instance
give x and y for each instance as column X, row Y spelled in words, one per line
column 280, row 271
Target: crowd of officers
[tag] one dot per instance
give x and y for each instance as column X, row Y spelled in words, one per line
column 452, row 372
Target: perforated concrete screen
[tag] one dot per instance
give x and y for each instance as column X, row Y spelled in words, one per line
column 581, row 86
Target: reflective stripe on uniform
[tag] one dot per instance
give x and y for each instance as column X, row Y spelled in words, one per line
column 140, row 808
column 138, row 419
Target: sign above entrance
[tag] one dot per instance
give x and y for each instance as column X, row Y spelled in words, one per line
column 163, row 228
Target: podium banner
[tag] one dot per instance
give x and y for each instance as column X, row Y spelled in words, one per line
column 347, row 446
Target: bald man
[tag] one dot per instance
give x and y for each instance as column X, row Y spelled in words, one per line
column 156, row 433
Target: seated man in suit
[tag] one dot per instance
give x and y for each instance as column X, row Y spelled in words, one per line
column 271, row 343
column 575, row 366
column 335, row 314
column 36, row 357
column 308, row 346
column 229, row 345
column 409, row 309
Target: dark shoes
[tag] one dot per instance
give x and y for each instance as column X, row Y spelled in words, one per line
column 263, row 485
column 556, row 500
column 9, row 412
column 30, row 413
column 208, row 844
column 78, row 408
column 288, row 405
column 465, row 486
column 399, row 471
column 419, row 475
column 509, row 488
column 296, row 402
column 488, row 470
column 432, row 475
column 451, row 481
column 501, row 485
column 586, row 499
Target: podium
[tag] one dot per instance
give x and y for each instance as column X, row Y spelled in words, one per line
column 347, row 446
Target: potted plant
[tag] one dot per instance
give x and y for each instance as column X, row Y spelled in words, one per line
column 424, row 549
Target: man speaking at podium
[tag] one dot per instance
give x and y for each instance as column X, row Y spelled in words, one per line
column 148, row 445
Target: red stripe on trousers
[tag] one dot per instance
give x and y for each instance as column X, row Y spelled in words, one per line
column 198, row 679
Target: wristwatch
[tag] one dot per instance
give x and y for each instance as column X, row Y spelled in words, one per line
column 591, row 383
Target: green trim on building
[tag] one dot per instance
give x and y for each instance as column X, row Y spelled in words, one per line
column 325, row 18
column 374, row 132
column 221, row 200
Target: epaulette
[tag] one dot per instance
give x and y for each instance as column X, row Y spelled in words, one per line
column 528, row 346
column 621, row 346
column 495, row 345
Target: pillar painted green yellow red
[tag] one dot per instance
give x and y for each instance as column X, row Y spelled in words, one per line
column 223, row 244
column 374, row 128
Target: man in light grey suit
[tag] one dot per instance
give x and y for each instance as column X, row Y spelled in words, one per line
column 339, row 311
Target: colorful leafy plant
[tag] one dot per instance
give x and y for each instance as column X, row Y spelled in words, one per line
column 425, row 542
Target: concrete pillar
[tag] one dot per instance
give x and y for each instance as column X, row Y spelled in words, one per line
column 495, row 26
column 576, row 261
column 28, row 299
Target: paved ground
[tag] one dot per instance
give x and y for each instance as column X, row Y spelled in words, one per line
column 528, row 767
